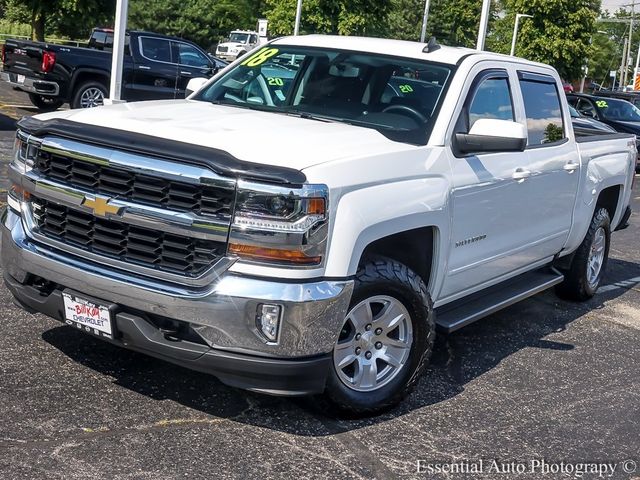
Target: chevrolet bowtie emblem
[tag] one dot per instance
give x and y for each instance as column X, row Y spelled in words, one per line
column 100, row 206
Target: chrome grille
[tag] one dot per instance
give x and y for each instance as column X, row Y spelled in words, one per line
column 135, row 186
column 121, row 241
column 144, row 214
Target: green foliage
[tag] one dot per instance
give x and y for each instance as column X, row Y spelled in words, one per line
column 71, row 18
column 343, row 17
column 205, row 22
column 14, row 28
column 558, row 34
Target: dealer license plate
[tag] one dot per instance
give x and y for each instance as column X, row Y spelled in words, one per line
column 21, row 78
column 87, row 316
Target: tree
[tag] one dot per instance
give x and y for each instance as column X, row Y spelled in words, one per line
column 343, row 17
column 202, row 21
column 559, row 33
column 73, row 18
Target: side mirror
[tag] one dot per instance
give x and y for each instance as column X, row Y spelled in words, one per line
column 194, row 85
column 491, row 135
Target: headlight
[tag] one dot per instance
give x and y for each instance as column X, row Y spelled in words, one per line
column 279, row 225
column 25, row 152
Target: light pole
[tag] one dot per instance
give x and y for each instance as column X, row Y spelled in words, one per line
column 117, row 56
column 296, row 28
column 515, row 31
column 425, row 16
column 586, row 66
column 484, row 20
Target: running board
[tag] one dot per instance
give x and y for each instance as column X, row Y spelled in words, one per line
column 458, row 314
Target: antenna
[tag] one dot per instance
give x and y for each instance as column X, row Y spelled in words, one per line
column 432, row 45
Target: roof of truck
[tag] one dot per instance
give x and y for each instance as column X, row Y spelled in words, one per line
column 385, row 46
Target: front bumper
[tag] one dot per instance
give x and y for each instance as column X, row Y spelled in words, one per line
column 223, row 315
column 31, row 85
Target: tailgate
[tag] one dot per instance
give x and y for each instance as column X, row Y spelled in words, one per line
column 23, row 57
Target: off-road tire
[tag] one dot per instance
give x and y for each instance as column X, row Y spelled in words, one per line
column 45, row 104
column 383, row 276
column 576, row 285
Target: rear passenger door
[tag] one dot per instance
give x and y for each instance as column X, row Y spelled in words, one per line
column 156, row 70
column 554, row 162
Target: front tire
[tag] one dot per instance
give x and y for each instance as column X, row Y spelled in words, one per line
column 385, row 343
column 582, row 279
column 89, row 94
column 45, row 103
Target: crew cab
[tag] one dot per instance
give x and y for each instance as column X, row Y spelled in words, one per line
column 155, row 67
column 303, row 221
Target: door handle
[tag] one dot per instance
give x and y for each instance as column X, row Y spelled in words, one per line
column 144, row 67
column 185, row 73
column 521, row 174
column 571, row 167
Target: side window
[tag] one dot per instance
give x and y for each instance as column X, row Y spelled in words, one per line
column 157, row 49
column 491, row 99
column 191, row 56
column 543, row 111
column 254, row 39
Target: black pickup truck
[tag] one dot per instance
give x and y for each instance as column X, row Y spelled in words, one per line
column 155, row 67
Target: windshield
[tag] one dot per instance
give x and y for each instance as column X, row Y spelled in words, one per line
column 396, row 96
column 239, row 37
column 620, row 110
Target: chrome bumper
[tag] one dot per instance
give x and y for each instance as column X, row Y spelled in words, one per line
column 31, row 85
column 223, row 313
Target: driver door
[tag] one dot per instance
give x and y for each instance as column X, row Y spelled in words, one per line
column 490, row 201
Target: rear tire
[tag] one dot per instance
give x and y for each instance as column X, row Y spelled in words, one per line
column 394, row 321
column 45, row 103
column 582, row 279
column 89, row 94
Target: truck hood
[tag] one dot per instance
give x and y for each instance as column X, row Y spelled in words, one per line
column 249, row 135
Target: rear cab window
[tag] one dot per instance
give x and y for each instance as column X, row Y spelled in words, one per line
column 543, row 109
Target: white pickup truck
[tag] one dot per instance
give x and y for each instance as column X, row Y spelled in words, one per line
column 303, row 222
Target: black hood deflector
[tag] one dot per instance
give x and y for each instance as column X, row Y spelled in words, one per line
column 220, row 161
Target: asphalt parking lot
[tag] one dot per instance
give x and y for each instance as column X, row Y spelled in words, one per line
column 543, row 381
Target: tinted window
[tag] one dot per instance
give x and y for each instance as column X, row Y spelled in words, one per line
column 189, row 55
column 618, row 110
column 492, row 99
column 156, row 49
column 586, row 108
column 544, row 114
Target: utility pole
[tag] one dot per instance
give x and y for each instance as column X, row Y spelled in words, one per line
column 484, row 20
column 296, row 28
column 425, row 17
column 628, row 57
column 624, row 60
column 117, row 56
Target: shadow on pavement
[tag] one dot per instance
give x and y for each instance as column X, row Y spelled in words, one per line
column 457, row 360
column 7, row 123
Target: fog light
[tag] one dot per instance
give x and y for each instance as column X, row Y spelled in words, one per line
column 268, row 320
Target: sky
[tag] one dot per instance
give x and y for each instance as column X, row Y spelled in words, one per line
column 613, row 5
